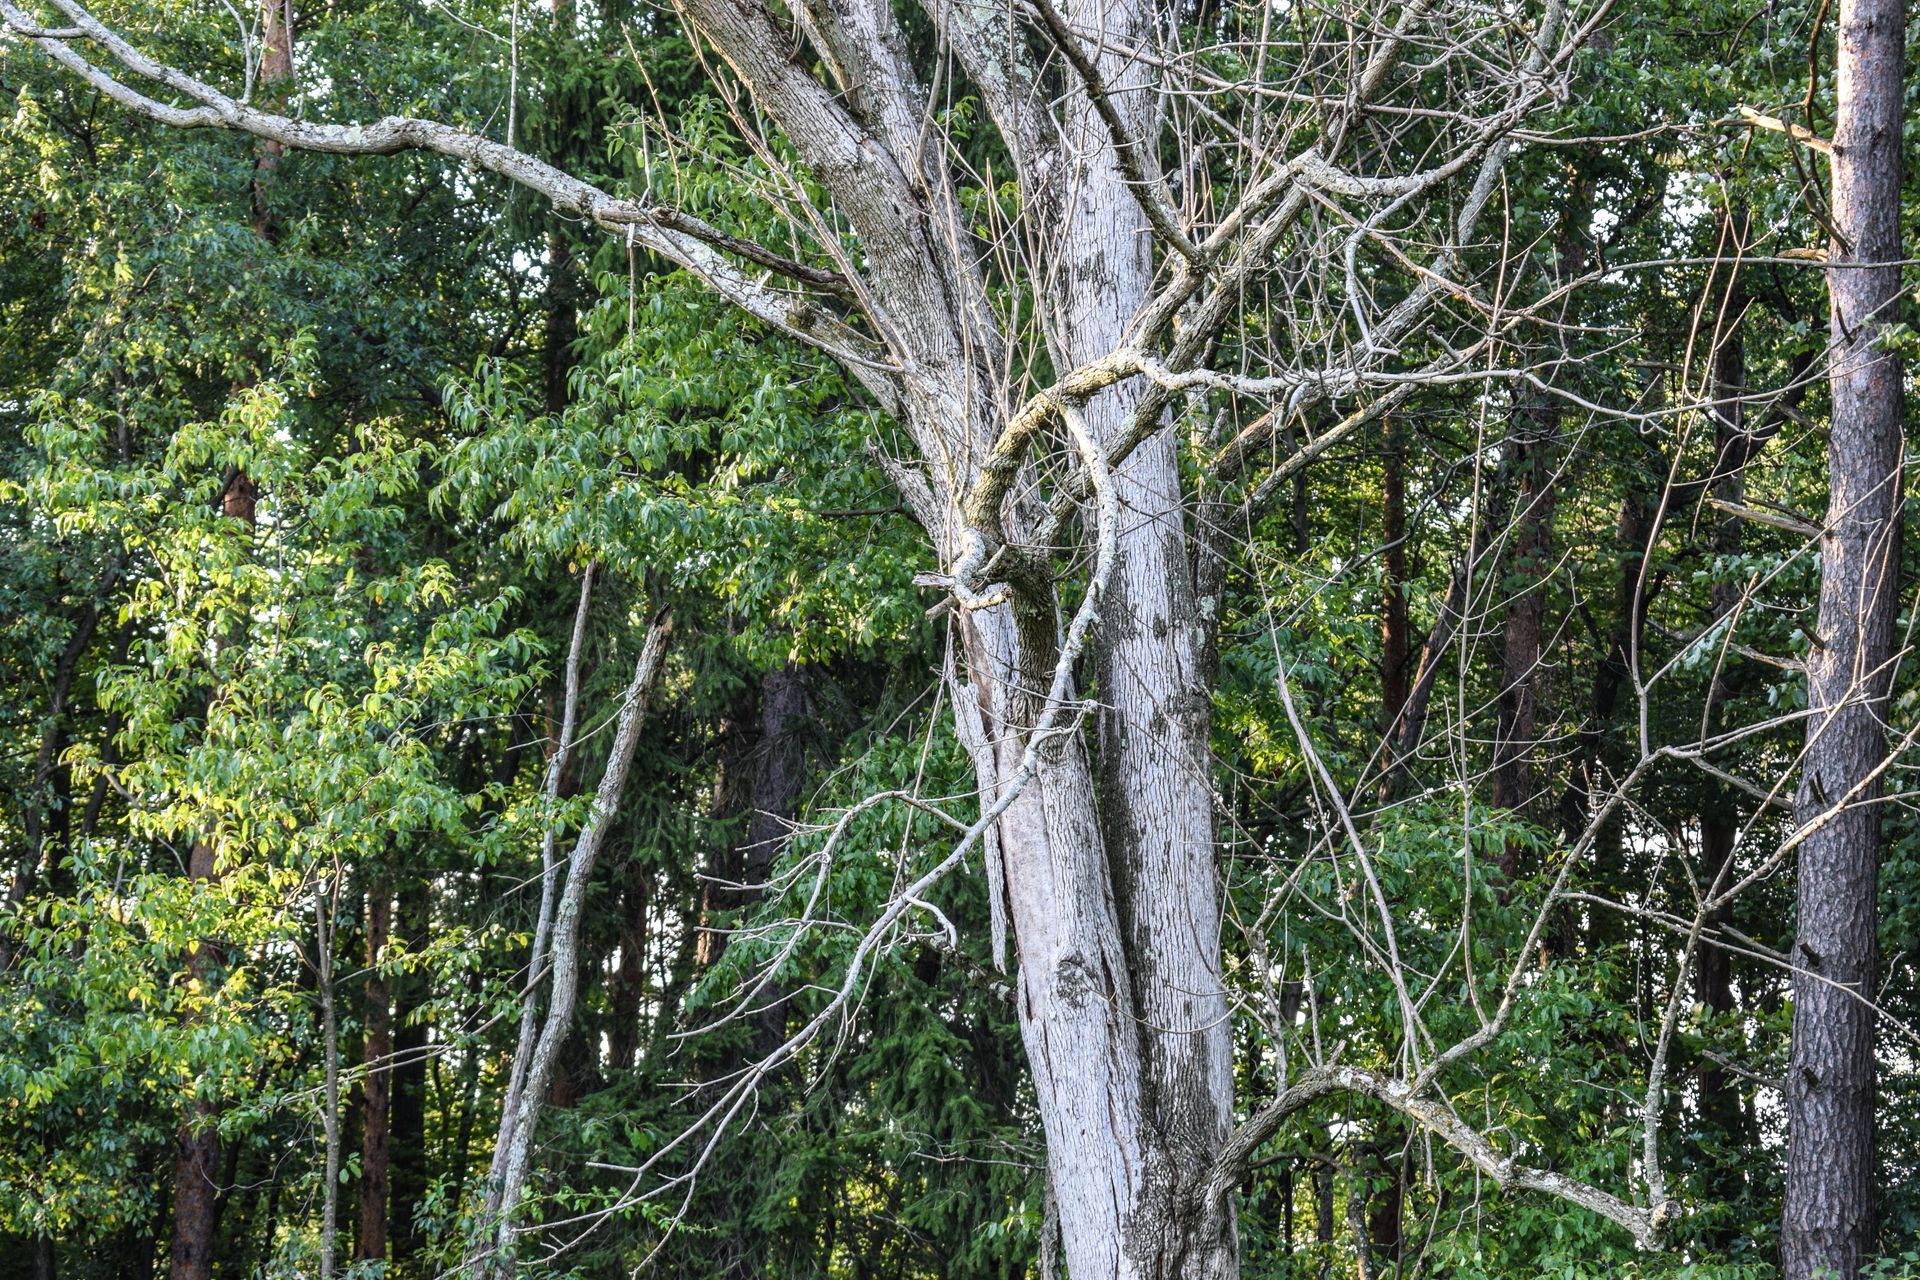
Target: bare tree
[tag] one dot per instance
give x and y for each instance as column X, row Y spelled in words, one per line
column 555, row 959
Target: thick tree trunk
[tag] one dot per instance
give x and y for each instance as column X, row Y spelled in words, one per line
column 1115, row 900
column 1829, row 1223
column 1109, row 872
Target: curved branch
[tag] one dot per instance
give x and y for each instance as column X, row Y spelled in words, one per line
column 681, row 239
column 1646, row 1225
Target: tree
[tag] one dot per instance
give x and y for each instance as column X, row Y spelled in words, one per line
column 1103, row 284
column 1829, row 1225
column 1105, row 859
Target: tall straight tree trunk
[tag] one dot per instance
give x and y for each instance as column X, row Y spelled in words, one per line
column 407, row 1144
column 1536, row 452
column 1720, row 1108
column 630, row 978
column 376, row 1132
column 1537, row 423
column 1396, row 675
column 731, row 806
column 1829, row 1222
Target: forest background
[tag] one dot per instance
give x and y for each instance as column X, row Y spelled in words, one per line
column 376, row 537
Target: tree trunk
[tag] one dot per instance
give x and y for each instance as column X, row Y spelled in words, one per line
column 197, row 1156
column 1115, row 908
column 721, row 891
column 630, row 978
column 376, row 1087
column 1395, row 675
column 490, row 1247
column 1720, row 1108
column 1536, row 424
column 1116, row 914
column 196, row 1163
column 1829, row 1221
column 407, row 1144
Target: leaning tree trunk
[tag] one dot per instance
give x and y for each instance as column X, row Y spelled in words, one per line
column 541, row 1039
column 1828, row 1225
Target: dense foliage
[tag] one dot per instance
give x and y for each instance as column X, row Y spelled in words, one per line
column 303, row 464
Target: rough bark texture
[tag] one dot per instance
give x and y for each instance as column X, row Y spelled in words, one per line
column 1828, row 1224
column 1113, row 906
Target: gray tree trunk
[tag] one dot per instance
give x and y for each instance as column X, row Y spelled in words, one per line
column 1115, row 908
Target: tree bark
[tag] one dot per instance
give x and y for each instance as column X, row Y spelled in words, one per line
column 1395, row 674
column 630, row 978
column 376, row 1087
column 1115, row 911
column 1720, row 1108
column 513, row 1156
column 1829, row 1222
column 407, row 1145
column 1536, row 425
column 1155, row 781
